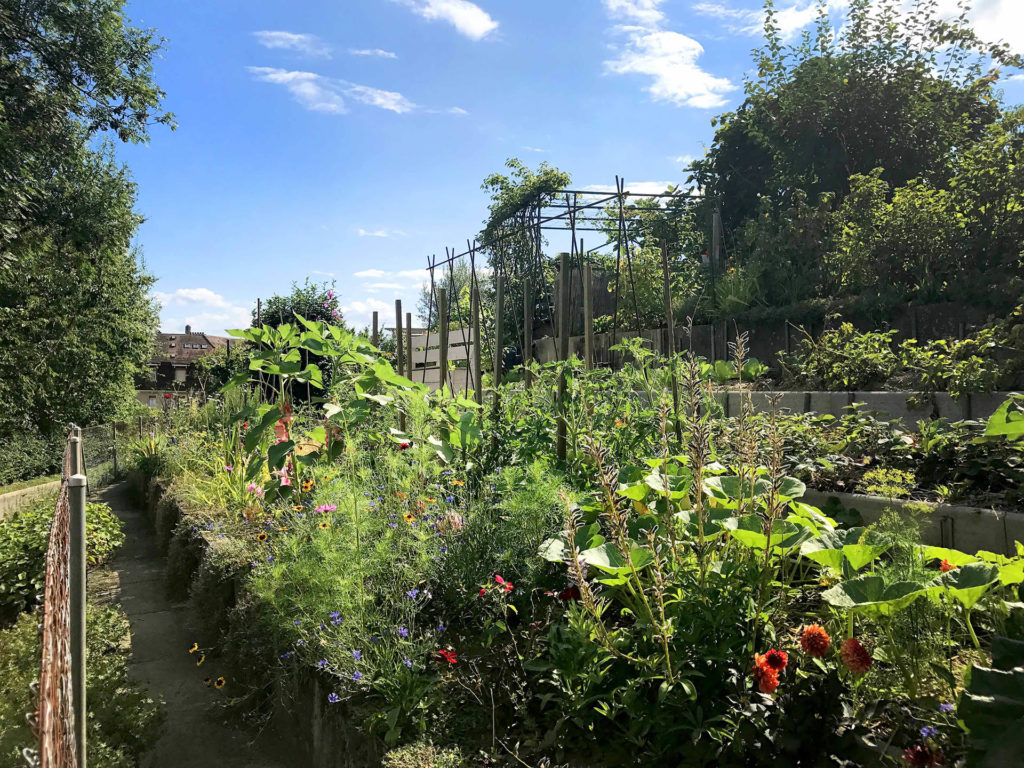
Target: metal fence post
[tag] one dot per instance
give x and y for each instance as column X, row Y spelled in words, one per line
column 563, row 352
column 76, row 502
column 442, row 336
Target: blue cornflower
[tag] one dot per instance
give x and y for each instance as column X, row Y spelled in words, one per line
column 403, row 632
column 946, row 707
column 443, row 550
column 357, row 676
column 297, row 622
column 270, row 558
column 392, row 525
column 322, row 663
column 286, row 655
column 929, row 732
column 440, row 627
column 412, row 594
column 323, row 626
column 408, row 662
column 449, row 499
column 333, row 614
column 333, row 698
column 357, row 655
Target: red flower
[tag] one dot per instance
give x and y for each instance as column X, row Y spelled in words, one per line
column 767, row 679
column 499, row 580
column 506, row 584
column 776, row 660
column 855, row 656
column 815, row 641
column 449, row 656
column 168, row 395
column 923, row 756
column 945, row 566
column 482, row 592
column 572, row 593
column 403, row 446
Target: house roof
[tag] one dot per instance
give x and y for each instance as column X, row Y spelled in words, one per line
column 185, row 348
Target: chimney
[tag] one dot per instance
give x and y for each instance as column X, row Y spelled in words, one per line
column 188, row 329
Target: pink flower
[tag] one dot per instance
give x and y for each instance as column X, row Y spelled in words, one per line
column 285, row 481
column 257, row 489
column 228, row 468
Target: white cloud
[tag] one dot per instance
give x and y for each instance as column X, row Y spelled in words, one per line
column 310, row 45
column 378, row 233
column 375, row 97
column 376, row 52
column 668, row 58
column 534, row 149
column 312, row 91
column 370, row 273
column 790, row 18
column 324, row 94
column 643, row 12
column 374, row 287
column 359, row 314
column 457, row 111
column 468, row 18
column 683, row 160
column 200, row 308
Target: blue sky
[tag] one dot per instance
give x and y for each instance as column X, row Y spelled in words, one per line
column 348, row 140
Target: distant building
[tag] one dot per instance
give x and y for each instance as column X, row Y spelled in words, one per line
column 173, row 356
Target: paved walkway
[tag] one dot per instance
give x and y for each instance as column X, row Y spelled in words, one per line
column 193, row 735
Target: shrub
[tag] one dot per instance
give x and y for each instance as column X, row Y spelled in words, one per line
column 23, row 542
column 423, row 754
column 124, row 720
column 27, row 454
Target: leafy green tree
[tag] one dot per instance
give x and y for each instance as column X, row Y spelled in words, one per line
column 458, row 281
column 74, row 299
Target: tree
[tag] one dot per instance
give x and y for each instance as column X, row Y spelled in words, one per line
column 895, row 96
column 74, row 299
column 458, row 281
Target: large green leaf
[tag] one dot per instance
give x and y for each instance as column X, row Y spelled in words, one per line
column 749, row 531
column 663, row 481
column 856, row 545
column 869, row 595
column 954, row 556
column 252, row 437
column 606, row 557
column 969, row 583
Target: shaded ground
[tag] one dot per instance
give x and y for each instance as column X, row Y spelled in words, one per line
column 193, row 735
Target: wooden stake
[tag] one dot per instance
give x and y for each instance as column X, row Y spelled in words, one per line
column 398, row 336
column 478, row 374
column 588, row 316
column 408, row 344
column 442, row 335
column 499, row 334
column 563, row 350
column 671, row 348
column 527, row 335
column 375, row 335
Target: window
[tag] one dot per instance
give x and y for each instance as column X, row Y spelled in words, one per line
column 188, row 346
column 152, row 401
column 171, row 344
column 203, row 346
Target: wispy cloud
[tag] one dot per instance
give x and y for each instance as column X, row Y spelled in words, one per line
column 668, row 58
column 359, row 313
column 309, row 45
column 324, row 94
column 790, row 18
column 376, row 287
column 379, row 53
column 203, row 309
column 683, row 160
column 468, row 18
column 456, row 111
column 534, row 149
column 377, row 233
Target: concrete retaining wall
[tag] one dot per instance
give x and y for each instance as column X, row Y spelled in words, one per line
column 893, row 405
column 968, row 529
column 14, row 500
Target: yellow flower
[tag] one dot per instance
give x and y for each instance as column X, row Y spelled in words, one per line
column 430, row 500
column 220, row 682
column 324, row 525
column 194, row 648
column 458, row 482
column 307, row 486
column 207, row 682
column 261, row 536
column 297, row 507
column 202, row 658
column 282, row 528
column 409, row 518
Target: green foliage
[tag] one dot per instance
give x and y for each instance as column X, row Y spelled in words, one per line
column 124, row 721
column 23, row 541
column 424, row 754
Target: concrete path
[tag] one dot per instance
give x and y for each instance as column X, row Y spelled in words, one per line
column 193, row 735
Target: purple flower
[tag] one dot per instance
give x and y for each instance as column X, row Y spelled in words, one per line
column 946, row 707
column 270, row 559
column 333, row 698
column 322, row 663
column 357, row 655
column 357, row 676
column 403, row 632
column 440, row 627
column 286, row 655
column 929, row 732
column 333, row 615
column 449, row 499
column 412, row 594
column 408, row 662
column 392, row 525
column 297, row 622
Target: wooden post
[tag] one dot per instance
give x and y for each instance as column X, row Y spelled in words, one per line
column 478, row 374
column 671, row 349
column 113, row 437
column 588, row 316
column 527, row 335
column 499, row 334
column 140, row 427
column 442, row 335
column 716, row 239
column 375, row 334
column 408, row 345
column 563, row 350
column 398, row 336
